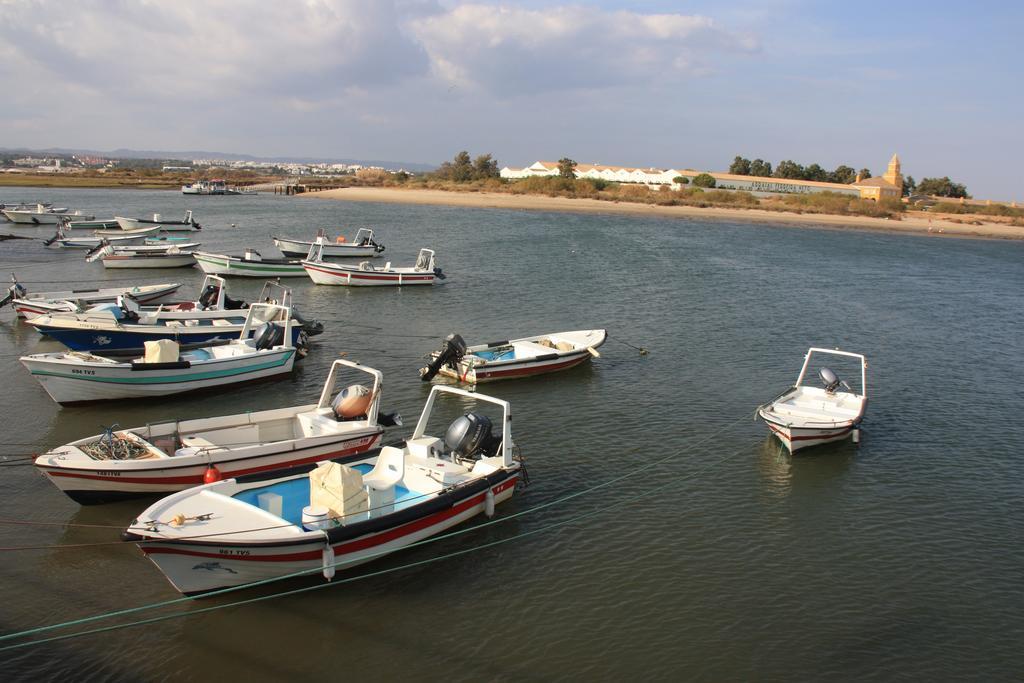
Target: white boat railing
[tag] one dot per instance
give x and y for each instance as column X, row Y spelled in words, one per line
column 837, row 352
column 506, row 416
column 332, row 379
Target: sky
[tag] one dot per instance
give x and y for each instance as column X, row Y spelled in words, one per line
column 663, row 84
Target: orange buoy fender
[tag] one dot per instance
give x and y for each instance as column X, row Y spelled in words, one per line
column 211, row 474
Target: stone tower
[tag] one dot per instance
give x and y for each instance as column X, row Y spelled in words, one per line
column 893, row 175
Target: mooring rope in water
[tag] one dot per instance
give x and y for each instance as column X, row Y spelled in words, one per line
column 183, row 599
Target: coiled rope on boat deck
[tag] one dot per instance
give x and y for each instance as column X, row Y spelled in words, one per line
column 346, row 580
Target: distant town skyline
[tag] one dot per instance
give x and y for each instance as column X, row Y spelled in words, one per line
column 662, row 84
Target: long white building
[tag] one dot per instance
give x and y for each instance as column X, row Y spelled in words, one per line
column 888, row 185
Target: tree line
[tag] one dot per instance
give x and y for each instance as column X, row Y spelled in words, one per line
column 791, row 170
column 938, row 187
column 463, row 169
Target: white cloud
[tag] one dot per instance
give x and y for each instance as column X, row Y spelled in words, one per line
column 513, row 50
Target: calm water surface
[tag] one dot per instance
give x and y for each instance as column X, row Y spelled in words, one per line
column 898, row 559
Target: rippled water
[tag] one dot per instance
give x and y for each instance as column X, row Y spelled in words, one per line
column 898, row 559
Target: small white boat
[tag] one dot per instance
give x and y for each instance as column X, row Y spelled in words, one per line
column 804, row 416
column 61, row 239
column 362, row 246
column 342, row 513
column 31, row 305
column 124, row 327
column 217, row 186
column 171, row 225
column 365, row 274
column 263, row 349
column 165, row 257
column 513, row 358
column 106, row 224
column 41, row 215
column 146, row 248
column 176, row 454
column 250, row 264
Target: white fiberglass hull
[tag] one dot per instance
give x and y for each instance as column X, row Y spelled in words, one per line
column 228, row 266
column 169, row 226
column 113, row 480
column 795, row 438
column 520, row 358
column 36, row 218
column 300, row 248
column 200, row 567
column 53, row 302
column 79, row 382
column 331, row 274
column 132, row 261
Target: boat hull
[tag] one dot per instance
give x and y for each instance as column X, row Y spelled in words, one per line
column 31, row 308
column 124, row 340
column 125, row 261
column 300, row 248
column 514, row 369
column 795, row 438
column 68, row 383
column 94, row 486
column 329, row 274
column 92, row 225
column 34, row 218
column 169, row 226
column 202, row 567
column 217, row 264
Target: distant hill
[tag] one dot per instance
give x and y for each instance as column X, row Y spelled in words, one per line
column 192, row 154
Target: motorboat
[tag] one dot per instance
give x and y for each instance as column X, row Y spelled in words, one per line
column 31, row 305
column 249, row 264
column 103, row 224
column 217, row 186
column 340, row 513
column 804, row 416
column 99, row 237
column 365, row 274
column 171, row 256
column 123, row 327
column 512, row 358
column 187, row 223
column 176, row 454
column 263, row 349
column 362, row 246
column 41, row 214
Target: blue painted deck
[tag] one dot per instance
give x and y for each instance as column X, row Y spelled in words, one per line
column 295, row 495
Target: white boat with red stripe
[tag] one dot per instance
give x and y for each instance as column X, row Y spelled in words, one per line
column 804, row 416
column 423, row 272
column 174, row 455
column 339, row 514
column 31, row 305
column 514, row 358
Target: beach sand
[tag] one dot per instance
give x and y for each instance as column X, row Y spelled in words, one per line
column 914, row 222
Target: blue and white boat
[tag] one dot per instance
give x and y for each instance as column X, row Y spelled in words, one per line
column 123, row 328
column 344, row 512
column 172, row 455
column 263, row 349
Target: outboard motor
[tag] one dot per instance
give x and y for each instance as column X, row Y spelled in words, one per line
column 15, row 291
column 310, row 327
column 439, row 275
column 209, row 297
column 453, row 348
column 831, row 381
column 377, row 247
column 352, row 402
column 268, row 335
column 470, row 437
column 234, row 304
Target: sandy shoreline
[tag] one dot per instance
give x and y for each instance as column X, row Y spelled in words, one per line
column 494, row 200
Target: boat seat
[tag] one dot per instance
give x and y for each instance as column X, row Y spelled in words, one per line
column 220, row 322
column 388, row 471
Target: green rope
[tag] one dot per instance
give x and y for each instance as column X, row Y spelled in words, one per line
column 167, row 603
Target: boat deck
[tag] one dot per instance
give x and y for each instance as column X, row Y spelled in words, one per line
column 294, row 495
